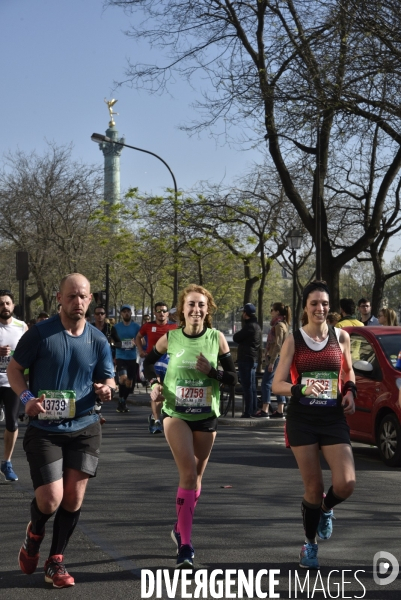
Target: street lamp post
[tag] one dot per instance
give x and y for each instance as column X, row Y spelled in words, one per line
column 99, row 138
column 294, row 239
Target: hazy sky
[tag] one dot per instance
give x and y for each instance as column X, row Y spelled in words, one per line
column 60, row 59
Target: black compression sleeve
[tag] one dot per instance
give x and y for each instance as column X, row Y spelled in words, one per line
column 228, row 375
column 149, row 364
column 115, row 337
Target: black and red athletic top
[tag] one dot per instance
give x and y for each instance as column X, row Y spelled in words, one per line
column 305, row 360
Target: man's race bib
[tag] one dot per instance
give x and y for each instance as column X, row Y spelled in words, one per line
column 5, row 361
column 58, row 404
column 127, row 344
column 193, row 396
column 328, row 397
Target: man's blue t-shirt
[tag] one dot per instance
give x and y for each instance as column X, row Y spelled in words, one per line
column 59, row 361
column 127, row 333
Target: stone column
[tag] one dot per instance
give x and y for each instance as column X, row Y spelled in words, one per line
column 112, row 153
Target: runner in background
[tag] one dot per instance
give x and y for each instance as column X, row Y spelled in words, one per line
column 147, row 337
column 11, row 330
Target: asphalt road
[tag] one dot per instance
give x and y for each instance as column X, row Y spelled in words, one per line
column 255, row 523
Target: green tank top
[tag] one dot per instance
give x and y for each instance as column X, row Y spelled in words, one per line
column 190, row 394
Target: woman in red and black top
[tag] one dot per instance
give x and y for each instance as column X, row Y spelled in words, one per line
column 322, row 392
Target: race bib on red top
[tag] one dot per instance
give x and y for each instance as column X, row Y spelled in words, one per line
column 328, row 397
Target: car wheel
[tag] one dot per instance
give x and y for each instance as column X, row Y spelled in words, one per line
column 389, row 441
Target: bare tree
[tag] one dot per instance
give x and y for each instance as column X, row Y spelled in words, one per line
column 251, row 220
column 47, row 203
column 308, row 75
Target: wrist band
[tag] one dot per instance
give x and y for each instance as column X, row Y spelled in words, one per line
column 154, row 384
column 349, row 386
column 303, row 390
column 153, row 380
column 297, row 391
column 26, row 396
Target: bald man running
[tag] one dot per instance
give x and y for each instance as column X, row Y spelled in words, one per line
column 69, row 364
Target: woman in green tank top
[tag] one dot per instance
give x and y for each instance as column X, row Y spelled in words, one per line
column 191, row 401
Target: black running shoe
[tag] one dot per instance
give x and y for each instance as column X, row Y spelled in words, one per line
column 184, row 558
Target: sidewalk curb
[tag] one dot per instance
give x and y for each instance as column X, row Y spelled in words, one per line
column 142, row 399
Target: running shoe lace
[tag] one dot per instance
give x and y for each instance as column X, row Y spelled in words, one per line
column 311, row 551
column 57, row 566
column 325, row 527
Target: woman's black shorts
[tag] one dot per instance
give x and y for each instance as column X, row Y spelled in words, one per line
column 304, row 431
column 208, row 425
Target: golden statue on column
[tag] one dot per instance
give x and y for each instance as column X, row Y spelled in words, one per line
column 110, row 104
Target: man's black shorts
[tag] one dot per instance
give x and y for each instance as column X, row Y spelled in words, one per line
column 128, row 367
column 49, row 453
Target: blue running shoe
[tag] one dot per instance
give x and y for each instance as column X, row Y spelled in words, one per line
column 308, row 556
column 184, row 558
column 176, row 537
column 156, row 427
column 7, row 471
column 325, row 527
column 151, row 422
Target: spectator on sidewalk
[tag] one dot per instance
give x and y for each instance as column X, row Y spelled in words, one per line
column 333, row 318
column 388, row 317
column 249, row 340
column 279, row 329
column 365, row 310
column 348, row 318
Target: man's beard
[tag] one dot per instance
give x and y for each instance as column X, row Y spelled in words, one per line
column 76, row 316
column 5, row 314
column 126, row 319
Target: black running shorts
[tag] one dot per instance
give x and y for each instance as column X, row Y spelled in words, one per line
column 128, row 368
column 208, row 425
column 306, row 431
column 49, row 453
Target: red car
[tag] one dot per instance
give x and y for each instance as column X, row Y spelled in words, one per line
column 377, row 418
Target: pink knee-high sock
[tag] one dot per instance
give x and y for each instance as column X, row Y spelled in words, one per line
column 197, row 494
column 185, row 505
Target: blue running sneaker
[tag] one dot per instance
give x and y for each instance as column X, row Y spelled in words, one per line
column 7, row 471
column 176, row 537
column 308, row 556
column 184, row 558
column 151, row 422
column 156, row 427
column 325, row 527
